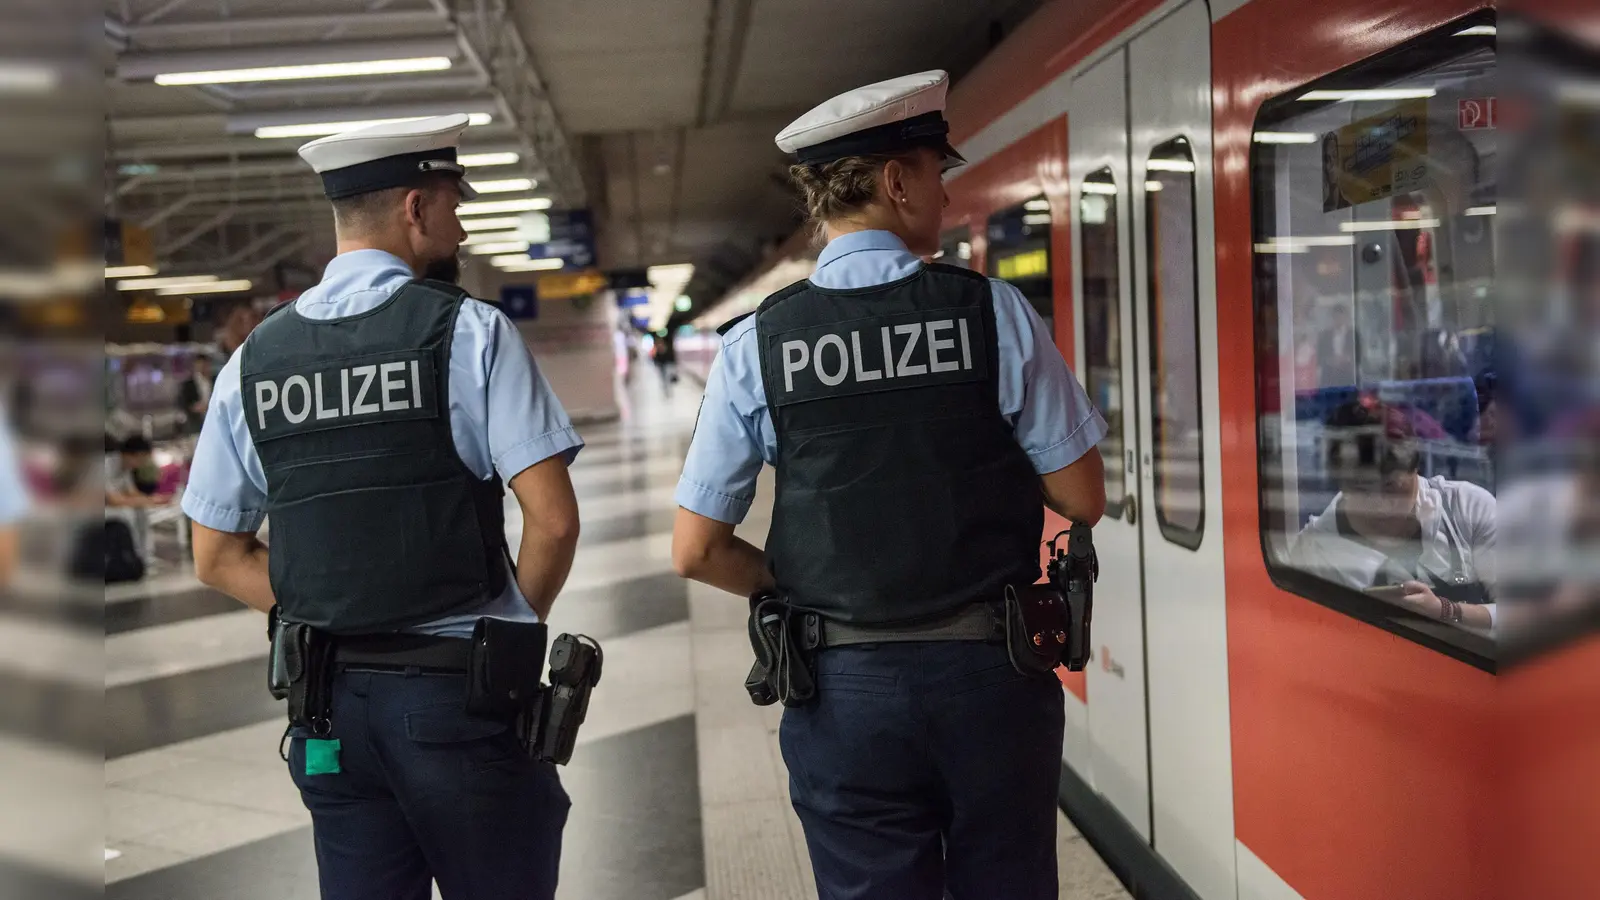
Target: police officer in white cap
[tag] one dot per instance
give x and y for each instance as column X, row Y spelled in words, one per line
column 919, row 417
column 374, row 420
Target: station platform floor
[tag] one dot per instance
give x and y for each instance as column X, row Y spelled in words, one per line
column 678, row 790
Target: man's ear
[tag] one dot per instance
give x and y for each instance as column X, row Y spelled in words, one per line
column 416, row 198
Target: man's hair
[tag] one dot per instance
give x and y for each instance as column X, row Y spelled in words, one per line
column 365, row 213
column 136, row 444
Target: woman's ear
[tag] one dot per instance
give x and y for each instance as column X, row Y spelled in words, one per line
column 894, row 182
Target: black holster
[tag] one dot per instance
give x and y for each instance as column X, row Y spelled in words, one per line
column 548, row 725
column 1073, row 571
column 1036, row 627
column 301, row 671
column 784, row 658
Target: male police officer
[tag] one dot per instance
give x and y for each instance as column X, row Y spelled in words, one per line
column 918, row 417
column 372, row 420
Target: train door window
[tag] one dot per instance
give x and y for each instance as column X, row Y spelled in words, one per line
column 1373, row 192
column 955, row 247
column 1102, row 322
column 1173, row 295
column 1019, row 252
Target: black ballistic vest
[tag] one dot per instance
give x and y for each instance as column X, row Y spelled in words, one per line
column 902, row 494
column 377, row 524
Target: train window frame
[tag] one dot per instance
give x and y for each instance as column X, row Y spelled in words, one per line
column 1172, row 532
column 1418, row 55
column 1115, row 499
column 1022, row 211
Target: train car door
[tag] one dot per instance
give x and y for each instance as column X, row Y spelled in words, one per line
column 1098, row 168
column 1179, row 465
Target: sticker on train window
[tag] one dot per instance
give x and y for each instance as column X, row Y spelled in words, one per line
column 1375, row 365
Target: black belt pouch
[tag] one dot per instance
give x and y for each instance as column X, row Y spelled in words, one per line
column 302, row 673
column 504, row 666
column 1036, row 627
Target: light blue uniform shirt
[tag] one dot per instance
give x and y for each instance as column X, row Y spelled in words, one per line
column 13, row 489
column 1049, row 412
column 503, row 415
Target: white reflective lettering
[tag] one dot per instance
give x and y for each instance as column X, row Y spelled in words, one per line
column 344, row 392
column 966, row 348
column 888, row 354
column 904, row 369
column 416, row 387
column 390, row 385
column 831, row 340
column 294, row 381
column 264, row 402
column 862, row 372
column 322, row 412
column 935, row 345
column 793, row 363
column 365, row 373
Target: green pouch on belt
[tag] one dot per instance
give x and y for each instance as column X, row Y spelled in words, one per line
column 322, row 757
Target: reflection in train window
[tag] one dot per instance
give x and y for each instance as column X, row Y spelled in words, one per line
column 1374, row 265
column 1102, row 317
column 1019, row 252
column 955, row 248
column 1173, row 289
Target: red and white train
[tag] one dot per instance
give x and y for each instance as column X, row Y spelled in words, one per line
column 1237, row 215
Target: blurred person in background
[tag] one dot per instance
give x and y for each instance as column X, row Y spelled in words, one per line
column 194, row 395
column 1427, row 544
column 237, row 323
column 13, row 500
column 665, row 355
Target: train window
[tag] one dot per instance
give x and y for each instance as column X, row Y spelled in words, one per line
column 955, row 247
column 1173, row 295
column 1019, row 252
column 1102, row 318
column 1373, row 194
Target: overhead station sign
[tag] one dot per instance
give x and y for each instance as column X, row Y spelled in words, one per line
column 568, row 236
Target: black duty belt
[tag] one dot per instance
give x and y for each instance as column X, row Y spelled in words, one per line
column 977, row 622
column 403, row 651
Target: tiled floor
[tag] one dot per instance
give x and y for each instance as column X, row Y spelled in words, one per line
column 678, row 792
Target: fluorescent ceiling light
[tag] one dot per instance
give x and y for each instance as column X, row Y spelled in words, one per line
column 490, row 207
column 1301, row 243
column 504, row 186
column 1481, row 210
column 1390, row 225
column 1371, row 94
column 129, row 271
column 150, row 284
column 1169, row 165
column 489, row 237
column 1036, row 219
column 1039, row 205
column 1477, row 31
column 314, row 70
column 499, row 247
column 521, row 263
column 1098, row 187
column 19, row 77
column 322, row 129
column 1152, row 185
column 1285, row 137
column 213, row 287
column 484, row 160
column 491, row 224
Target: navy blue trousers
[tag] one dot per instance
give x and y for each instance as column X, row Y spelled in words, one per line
column 426, row 793
column 923, row 769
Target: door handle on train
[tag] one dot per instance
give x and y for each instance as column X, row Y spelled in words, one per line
column 1131, row 504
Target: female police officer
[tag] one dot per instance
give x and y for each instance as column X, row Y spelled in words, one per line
column 918, row 417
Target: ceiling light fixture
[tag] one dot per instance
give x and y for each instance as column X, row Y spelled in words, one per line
column 495, row 224
column 1037, row 205
column 129, row 271
column 522, row 263
column 519, row 247
column 491, row 207
column 1099, row 187
column 314, row 70
column 490, row 237
column 322, row 129
column 1284, row 137
column 1390, row 225
column 1371, row 94
column 504, row 186
column 213, row 287
column 1169, row 165
column 484, row 160
column 150, row 284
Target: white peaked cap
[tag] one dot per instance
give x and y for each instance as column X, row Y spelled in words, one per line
column 391, row 154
